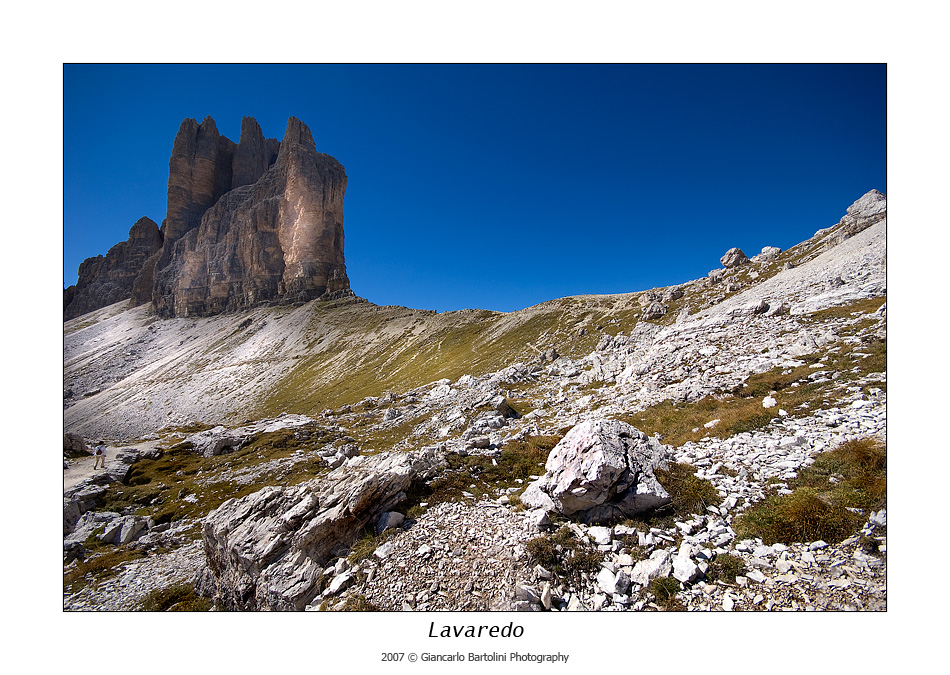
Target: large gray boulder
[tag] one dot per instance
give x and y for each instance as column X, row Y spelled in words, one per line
column 733, row 258
column 602, row 469
column 268, row 550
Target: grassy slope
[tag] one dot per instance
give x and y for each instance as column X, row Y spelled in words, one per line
column 363, row 350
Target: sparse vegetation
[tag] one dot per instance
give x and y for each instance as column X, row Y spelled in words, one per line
column 802, row 516
column 564, row 555
column 725, row 567
column 689, row 493
column 664, row 590
column 353, row 603
column 180, row 598
column 96, row 568
column 486, row 476
column 852, row 476
column 157, row 487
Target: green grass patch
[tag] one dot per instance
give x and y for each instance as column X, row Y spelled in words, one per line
column 157, row 487
column 725, row 567
column 803, row 516
column 180, row 598
column 690, row 494
column 564, row 555
column 485, row 476
column 851, row 476
column 96, row 568
column 367, row 542
column 664, row 590
column 854, row 474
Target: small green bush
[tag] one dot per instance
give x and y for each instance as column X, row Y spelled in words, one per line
column 664, row 590
column 725, row 567
column 564, row 555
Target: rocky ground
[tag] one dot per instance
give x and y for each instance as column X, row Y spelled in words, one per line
column 784, row 361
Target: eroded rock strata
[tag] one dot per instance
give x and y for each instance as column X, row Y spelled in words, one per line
column 108, row 279
column 249, row 223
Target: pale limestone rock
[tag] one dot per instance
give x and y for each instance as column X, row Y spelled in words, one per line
column 601, row 469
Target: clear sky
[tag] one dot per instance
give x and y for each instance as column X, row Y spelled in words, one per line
column 502, row 186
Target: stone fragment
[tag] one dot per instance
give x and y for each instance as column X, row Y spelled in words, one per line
column 684, row 569
column 658, row 565
column 389, row 520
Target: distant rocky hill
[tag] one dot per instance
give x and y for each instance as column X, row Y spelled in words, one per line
column 249, row 223
column 106, row 280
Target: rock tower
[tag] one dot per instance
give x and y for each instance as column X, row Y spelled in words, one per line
column 254, row 222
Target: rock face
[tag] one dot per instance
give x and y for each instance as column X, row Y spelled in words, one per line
column 602, row 469
column 109, row 279
column 254, row 222
column 247, row 225
column 268, row 550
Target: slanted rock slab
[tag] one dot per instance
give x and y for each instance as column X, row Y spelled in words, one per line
column 268, row 550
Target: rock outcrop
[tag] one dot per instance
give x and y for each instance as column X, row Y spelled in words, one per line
column 733, row 258
column 869, row 210
column 602, row 469
column 108, row 279
column 268, row 550
column 249, row 223
column 232, row 243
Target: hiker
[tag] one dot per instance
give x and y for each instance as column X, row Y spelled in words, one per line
column 100, row 454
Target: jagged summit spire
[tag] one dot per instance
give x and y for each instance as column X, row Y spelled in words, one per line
column 297, row 133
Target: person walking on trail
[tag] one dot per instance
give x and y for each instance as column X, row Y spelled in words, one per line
column 100, row 454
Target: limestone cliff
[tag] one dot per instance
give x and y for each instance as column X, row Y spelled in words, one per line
column 254, row 222
column 276, row 234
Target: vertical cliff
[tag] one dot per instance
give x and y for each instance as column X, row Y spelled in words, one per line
column 247, row 223
column 276, row 235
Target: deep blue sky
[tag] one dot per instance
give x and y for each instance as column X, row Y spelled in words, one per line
column 502, row 186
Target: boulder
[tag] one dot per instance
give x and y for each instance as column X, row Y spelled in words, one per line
column 868, row 210
column 119, row 466
column 768, row 253
column 674, row 293
column 389, row 520
column 74, row 446
column 654, row 311
column 602, row 469
column 657, row 566
column 218, row 441
column 268, row 550
column 81, row 498
column 684, row 569
column 733, row 258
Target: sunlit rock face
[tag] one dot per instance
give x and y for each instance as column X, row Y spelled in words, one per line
column 251, row 223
